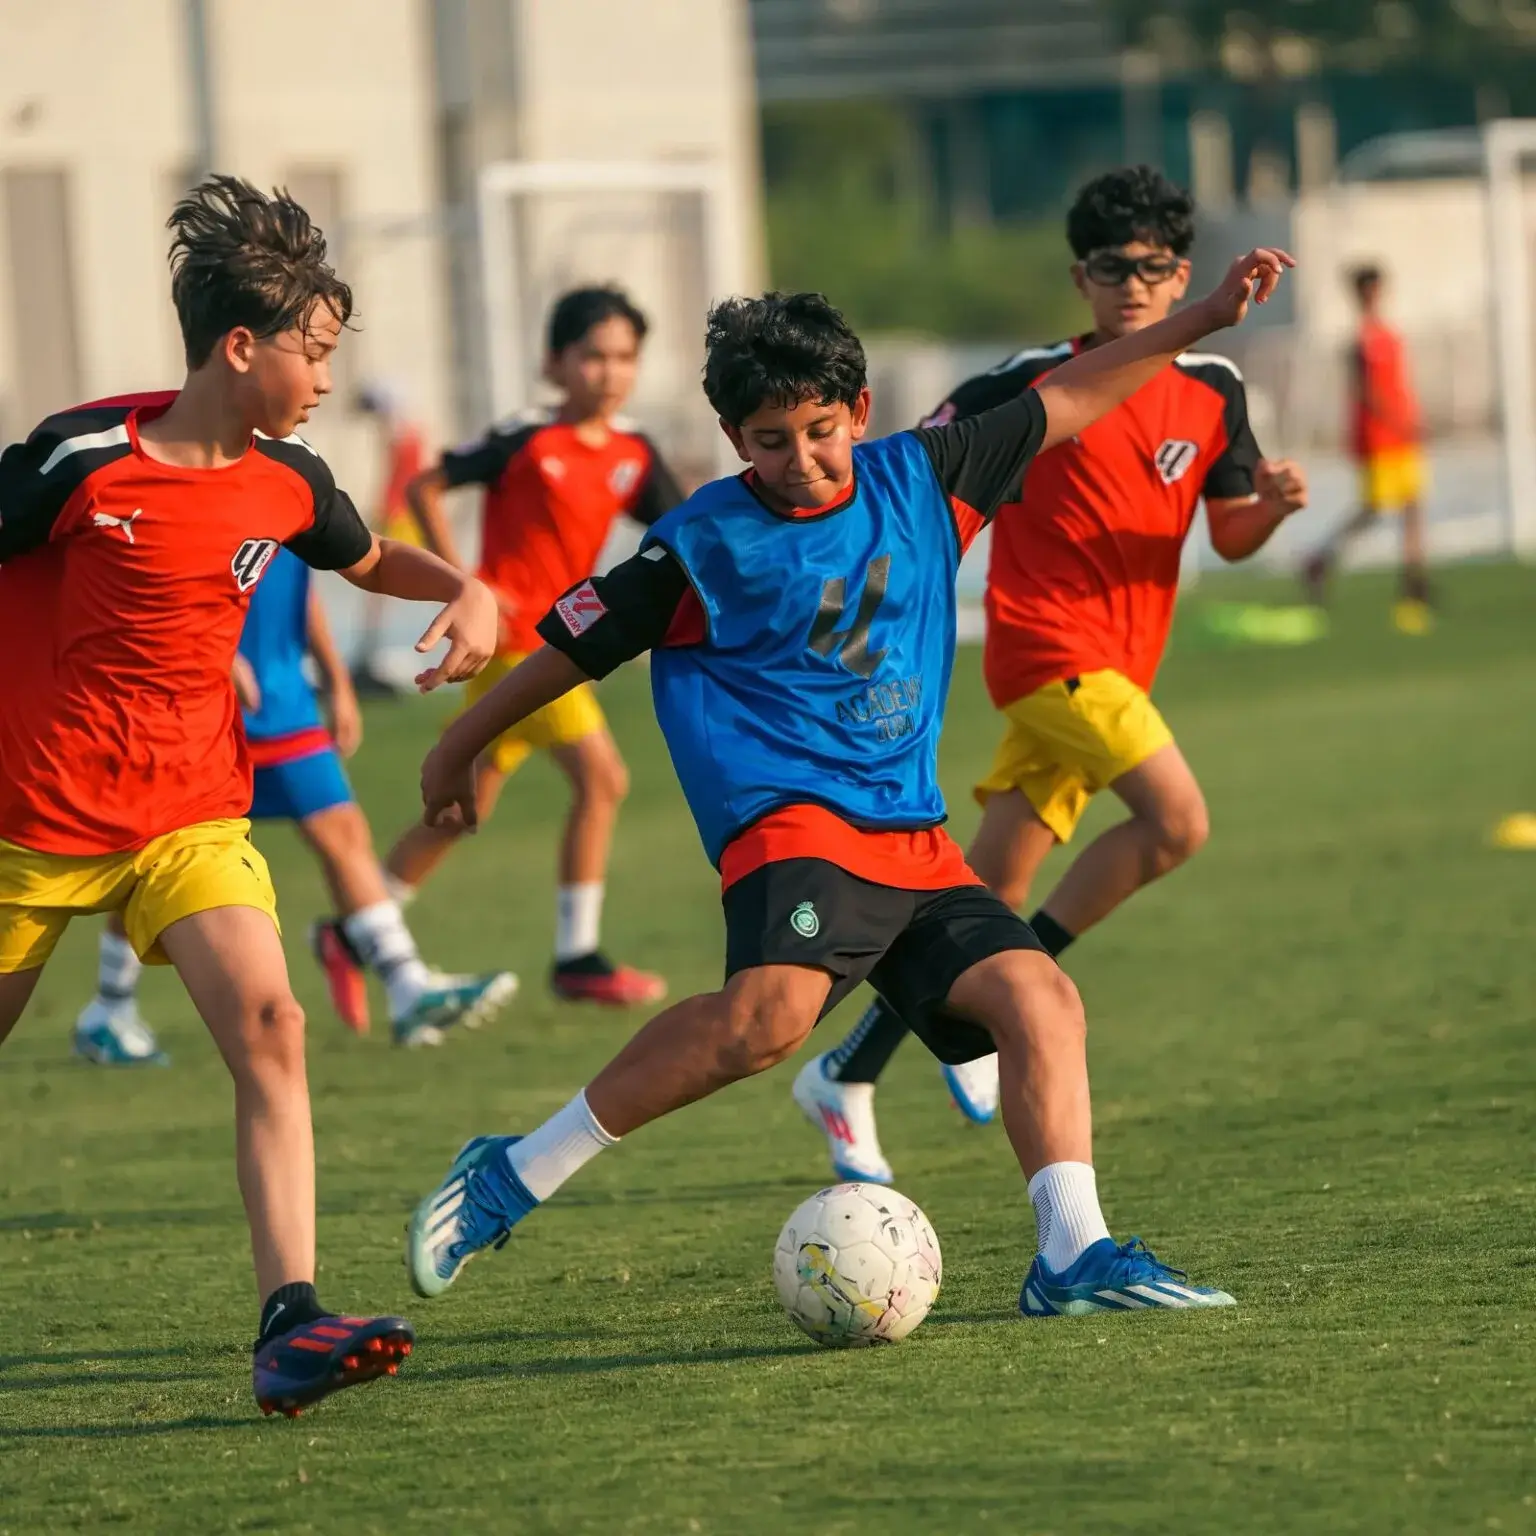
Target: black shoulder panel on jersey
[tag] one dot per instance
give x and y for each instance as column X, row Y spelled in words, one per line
column 38, row 477
column 482, row 461
column 1231, row 474
column 295, row 454
column 998, row 385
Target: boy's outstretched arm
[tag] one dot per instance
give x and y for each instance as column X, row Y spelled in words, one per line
column 470, row 618
column 448, row 774
column 1093, row 383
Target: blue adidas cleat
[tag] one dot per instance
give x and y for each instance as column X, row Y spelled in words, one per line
column 474, row 1208
column 466, row 1001
column 114, row 1035
column 1113, row 1277
column 309, row 1362
column 973, row 1087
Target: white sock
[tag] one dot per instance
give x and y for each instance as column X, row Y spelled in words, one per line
column 1067, row 1214
column 578, row 919
column 548, row 1157
column 379, row 935
column 118, row 969
column 401, row 892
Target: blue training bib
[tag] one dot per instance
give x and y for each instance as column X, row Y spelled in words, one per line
column 830, row 643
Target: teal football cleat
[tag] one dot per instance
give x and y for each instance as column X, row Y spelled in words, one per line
column 973, row 1085
column 1111, row 1277
column 474, row 1208
column 467, row 1001
column 114, row 1035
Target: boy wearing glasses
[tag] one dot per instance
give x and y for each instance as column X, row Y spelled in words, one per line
column 1081, row 586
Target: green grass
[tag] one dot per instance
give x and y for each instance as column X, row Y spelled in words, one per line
column 1311, row 1056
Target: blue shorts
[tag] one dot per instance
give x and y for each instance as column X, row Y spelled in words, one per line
column 297, row 790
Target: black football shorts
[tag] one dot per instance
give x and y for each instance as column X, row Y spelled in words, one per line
column 911, row 946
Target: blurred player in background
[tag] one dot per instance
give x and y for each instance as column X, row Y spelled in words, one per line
column 404, row 458
column 298, row 777
column 1386, row 437
column 801, row 624
column 1080, row 594
column 132, row 532
column 554, row 483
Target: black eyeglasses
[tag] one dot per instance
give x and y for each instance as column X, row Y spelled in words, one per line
column 1111, row 269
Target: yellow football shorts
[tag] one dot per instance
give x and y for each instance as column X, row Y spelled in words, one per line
column 571, row 717
column 1067, row 741
column 1392, row 479
column 177, row 875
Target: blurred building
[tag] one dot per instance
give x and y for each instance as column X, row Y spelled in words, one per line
column 378, row 115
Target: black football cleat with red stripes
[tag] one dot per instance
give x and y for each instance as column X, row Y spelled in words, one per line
column 296, row 1369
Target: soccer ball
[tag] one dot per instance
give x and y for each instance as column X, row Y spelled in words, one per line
column 857, row 1264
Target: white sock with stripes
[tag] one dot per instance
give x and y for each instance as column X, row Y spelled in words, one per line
column 547, row 1157
column 1067, row 1215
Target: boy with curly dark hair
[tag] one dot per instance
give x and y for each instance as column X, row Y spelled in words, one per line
column 1081, row 585
column 801, row 624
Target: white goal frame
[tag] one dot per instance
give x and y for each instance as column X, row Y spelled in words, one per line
column 1506, row 146
column 501, row 277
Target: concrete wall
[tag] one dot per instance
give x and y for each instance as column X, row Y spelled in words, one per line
column 329, row 92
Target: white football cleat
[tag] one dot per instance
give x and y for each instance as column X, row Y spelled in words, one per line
column 845, row 1114
column 973, row 1086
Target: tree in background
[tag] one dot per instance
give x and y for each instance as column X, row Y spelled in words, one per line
column 850, row 214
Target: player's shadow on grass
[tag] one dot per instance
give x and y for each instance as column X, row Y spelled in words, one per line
column 75, row 1356
column 596, row 1365
column 75, row 1380
column 123, row 1431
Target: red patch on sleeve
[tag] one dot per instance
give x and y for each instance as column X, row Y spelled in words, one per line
column 968, row 522
column 580, row 609
column 688, row 626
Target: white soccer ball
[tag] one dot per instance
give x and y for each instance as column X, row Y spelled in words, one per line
column 857, row 1264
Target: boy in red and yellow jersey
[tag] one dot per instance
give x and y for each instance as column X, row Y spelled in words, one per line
column 1385, row 437
column 132, row 532
column 555, row 481
column 1081, row 588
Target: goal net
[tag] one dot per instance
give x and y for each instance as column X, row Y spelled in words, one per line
column 656, row 229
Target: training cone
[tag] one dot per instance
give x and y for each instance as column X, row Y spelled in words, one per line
column 1516, row 831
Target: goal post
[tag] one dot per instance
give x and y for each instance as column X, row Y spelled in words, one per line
column 1509, row 155
column 661, row 229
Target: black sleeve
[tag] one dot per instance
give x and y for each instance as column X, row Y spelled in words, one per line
column 659, row 491
column 337, row 538
column 30, row 502
column 1231, row 471
column 607, row 620
column 481, row 462
column 980, row 460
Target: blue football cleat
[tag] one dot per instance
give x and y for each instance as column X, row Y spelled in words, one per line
column 309, row 1362
column 973, row 1087
column 114, row 1035
column 474, row 1208
column 467, row 1001
column 1113, row 1277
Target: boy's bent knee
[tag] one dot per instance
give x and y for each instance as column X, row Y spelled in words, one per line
column 770, row 1010
column 1183, row 830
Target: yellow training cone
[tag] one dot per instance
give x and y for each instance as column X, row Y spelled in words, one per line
column 1517, row 831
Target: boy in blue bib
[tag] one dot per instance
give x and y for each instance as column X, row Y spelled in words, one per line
column 801, row 619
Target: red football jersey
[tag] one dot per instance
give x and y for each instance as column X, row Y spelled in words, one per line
column 550, row 500
column 123, row 588
column 1084, row 568
column 1383, row 411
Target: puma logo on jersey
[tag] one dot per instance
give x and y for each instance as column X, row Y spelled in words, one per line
column 1174, row 457
column 106, row 520
column 251, row 559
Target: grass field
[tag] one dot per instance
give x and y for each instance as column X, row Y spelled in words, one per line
column 1312, row 1065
